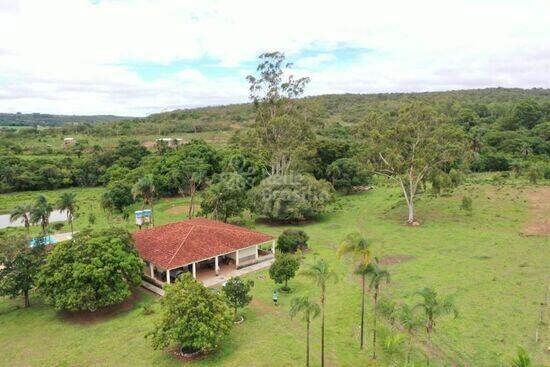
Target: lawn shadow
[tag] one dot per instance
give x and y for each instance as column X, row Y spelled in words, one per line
column 103, row 314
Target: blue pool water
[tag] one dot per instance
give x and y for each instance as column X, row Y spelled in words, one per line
column 48, row 240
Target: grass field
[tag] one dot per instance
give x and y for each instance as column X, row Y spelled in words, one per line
column 497, row 276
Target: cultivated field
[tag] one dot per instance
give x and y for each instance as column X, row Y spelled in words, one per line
column 497, row 275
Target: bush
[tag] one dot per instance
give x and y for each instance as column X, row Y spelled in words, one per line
column 193, row 317
column 535, row 173
column 292, row 240
column 490, row 163
column 466, row 204
column 93, row 270
column 290, row 198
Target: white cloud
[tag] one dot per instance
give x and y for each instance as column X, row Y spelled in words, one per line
column 66, row 56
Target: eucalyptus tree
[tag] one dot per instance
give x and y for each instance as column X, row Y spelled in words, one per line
column 22, row 212
column 144, row 188
column 434, row 307
column 67, row 203
column 321, row 274
column 359, row 248
column 281, row 128
column 40, row 213
column 377, row 276
column 309, row 310
column 407, row 148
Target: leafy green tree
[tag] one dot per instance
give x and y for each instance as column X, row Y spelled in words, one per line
column 119, row 195
column 67, row 203
column 309, row 310
column 130, row 152
column 321, row 274
column 360, row 249
column 225, row 198
column 40, row 213
column 291, row 240
column 22, row 212
column 376, row 275
column 290, row 198
column 237, row 293
column 408, row 149
column 20, row 266
column 345, row 173
column 434, row 307
column 193, row 317
column 91, row 271
column 189, row 175
column 284, row 268
column 281, row 131
column 527, row 113
column 145, row 189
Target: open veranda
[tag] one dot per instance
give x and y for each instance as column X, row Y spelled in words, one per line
column 496, row 273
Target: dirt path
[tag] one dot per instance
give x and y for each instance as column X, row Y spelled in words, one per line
column 539, row 222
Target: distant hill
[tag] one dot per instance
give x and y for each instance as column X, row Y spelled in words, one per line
column 33, row 119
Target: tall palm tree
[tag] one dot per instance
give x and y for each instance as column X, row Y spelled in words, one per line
column 145, row 189
column 67, row 204
column 410, row 321
column 433, row 307
column 309, row 311
column 40, row 213
column 359, row 248
column 22, row 212
column 321, row 274
column 377, row 275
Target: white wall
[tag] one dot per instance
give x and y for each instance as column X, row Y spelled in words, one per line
column 246, row 252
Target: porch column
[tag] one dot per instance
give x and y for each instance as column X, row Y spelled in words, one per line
column 168, row 276
column 216, row 266
column 273, row 247
column 256, row 252
column 152, row 270
column 194, row 270
column 237, row 258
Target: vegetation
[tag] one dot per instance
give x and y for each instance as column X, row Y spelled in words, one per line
column 67, row 203
column 292, row 240
column 91, row 271
column 193, row 317
column 284, row 268
column 224, row 199
column 309, row 310
column 237, row 293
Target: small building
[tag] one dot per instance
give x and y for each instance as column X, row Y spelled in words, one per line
column 69, row 141
column 210, row 250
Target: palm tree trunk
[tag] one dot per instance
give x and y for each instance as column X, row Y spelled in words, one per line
column 374, row 330
column 307, row 342
column 362, row 310
column 28, row 228
column 323, row 329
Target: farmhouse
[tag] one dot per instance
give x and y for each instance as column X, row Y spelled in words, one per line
column 208, row 249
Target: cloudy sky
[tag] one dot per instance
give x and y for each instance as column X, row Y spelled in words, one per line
column 135, row 57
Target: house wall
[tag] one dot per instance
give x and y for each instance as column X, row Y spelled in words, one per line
column 250, row 251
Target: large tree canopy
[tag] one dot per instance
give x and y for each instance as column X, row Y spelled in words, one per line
column 407, row 148
column 94, row 270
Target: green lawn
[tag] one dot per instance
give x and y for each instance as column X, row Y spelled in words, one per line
column 497, row 277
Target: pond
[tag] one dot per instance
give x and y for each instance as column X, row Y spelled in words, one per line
column 55, row 216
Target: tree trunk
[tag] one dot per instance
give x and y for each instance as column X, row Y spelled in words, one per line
column 411, row 218
column 307, row 342
column 323, row 330
column 374, row 329
column 235, row 313
column 192, row 192
column 26, row 297
column 28, row 228
column 71, row 223
column 362, row 310
column 152, row 214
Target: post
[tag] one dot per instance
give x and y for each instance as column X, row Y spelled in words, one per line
column 168, row 276
column 237, row 259
column 216, row 266
column 195, row 270
column 257, row 253
column 273, row 247
column 152, row 270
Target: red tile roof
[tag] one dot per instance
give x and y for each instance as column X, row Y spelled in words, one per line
column 180, row 243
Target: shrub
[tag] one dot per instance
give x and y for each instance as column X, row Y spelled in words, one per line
column 291, row 240
column 93, row 270
column 284, row 268
column 466, row 204
column 193, row 317
column 290, row 197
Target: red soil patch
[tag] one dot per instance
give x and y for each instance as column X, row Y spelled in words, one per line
column 86, row 317
column 539, row 223
column 392, row 260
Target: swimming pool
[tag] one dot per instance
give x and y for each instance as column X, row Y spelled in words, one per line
column 48, row 240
